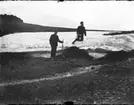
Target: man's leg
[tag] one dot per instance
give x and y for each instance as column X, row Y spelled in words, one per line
column 54, row 51
column 75, row 40
column 51, row 51
column 82, row 38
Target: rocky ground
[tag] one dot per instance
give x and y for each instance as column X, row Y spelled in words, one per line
column 112, row 83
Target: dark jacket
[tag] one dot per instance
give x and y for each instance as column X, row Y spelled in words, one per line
column 54, row 39
column 81, row 30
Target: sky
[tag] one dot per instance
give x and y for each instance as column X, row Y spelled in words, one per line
column 95, row 14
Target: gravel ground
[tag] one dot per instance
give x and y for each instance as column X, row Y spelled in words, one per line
column 113, row 83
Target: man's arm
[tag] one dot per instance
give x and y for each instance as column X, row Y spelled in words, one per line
column 85, row 31
column 59, row 40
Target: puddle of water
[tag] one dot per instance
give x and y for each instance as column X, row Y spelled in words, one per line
column 97, row 55
column 45, row 55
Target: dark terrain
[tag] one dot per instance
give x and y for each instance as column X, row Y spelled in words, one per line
column 112, row 83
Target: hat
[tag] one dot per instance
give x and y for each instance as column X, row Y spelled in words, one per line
column 81, row 22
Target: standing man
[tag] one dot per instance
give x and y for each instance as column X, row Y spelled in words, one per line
column 54, row 39
column 80, row 33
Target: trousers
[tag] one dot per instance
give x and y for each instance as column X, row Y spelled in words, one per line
column 53, row 51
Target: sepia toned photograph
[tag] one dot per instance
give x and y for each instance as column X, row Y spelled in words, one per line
column 66, row 52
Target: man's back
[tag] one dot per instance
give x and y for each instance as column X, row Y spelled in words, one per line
column 81, row 30
column 54, row 40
